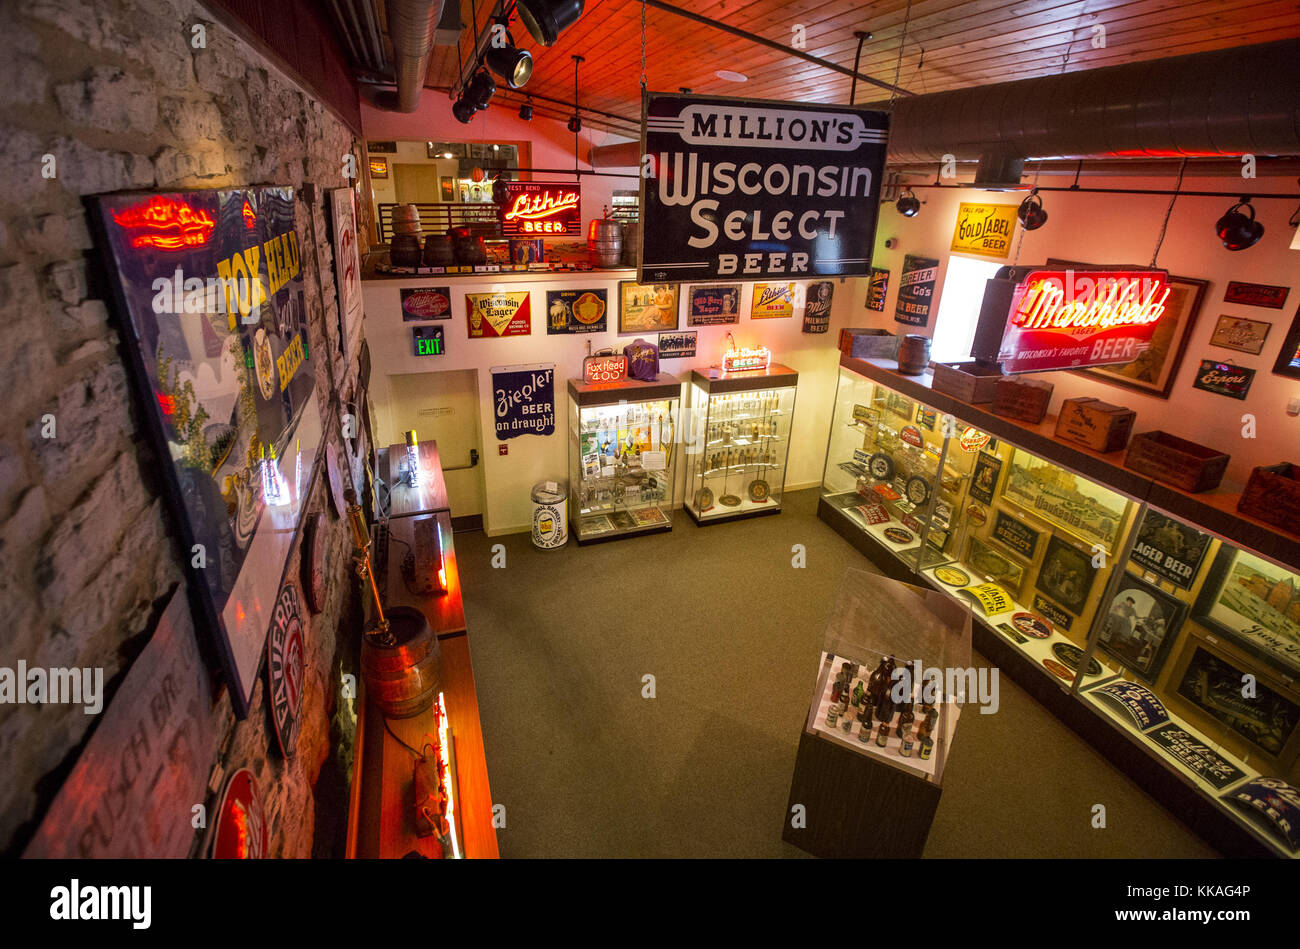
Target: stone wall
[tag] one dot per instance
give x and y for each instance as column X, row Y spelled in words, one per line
column 109, row 95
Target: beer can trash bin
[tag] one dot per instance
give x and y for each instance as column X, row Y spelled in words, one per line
column 550, row 525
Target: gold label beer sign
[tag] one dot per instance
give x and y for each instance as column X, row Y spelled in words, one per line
column 1224, row 379
column 758, row 189
column 984, row 229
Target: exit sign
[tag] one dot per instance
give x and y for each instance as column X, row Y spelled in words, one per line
column 428, row 340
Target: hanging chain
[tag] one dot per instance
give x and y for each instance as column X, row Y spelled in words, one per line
column 1038, row 169
column 898, row 67
column 642, row 46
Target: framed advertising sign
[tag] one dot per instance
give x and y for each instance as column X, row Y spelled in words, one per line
column 493, row 315
column 984, row 229
column 1241, row 334
column 210, row 288
column 347, row 263
column 772, row 301
column 541, row 209
column 645, row 309
column 916, row 290
column 714, row 306
column 576, row 311
column 677, row 345
column 877, row 289
column 1141, row 623
column 1255, row 604
column 1170, row 549
column 1223, row 378
column 758, row 189
column 817, row 307
column 1256, row 294
column 425, row 303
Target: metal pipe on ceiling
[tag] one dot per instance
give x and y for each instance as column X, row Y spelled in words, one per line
column 411, row 25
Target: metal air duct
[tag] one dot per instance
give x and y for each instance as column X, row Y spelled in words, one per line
column 411, row 28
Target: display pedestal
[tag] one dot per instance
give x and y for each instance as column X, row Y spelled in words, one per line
column 855, row 805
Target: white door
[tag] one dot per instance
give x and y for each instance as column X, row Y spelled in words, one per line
column 443, row 407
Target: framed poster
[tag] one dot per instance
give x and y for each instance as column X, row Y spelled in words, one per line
column 1066, row 575
column 1241, row 334
column 677, row 345
column 425, row 303
column 877, row 289
column 646, row 309
column 984, row 479
column 1223, row 378
column 1256, row 294
column 1082, row 507
column 714, row 305
column 1170, row 549
column 576, row 311
column 1015, row 535
column 347, row 264
column 1211, row 682
column 1288, row 360
column 772, row 301
column 1140, row 625
column 916, row 290
column 994, row 566
column 227, row 390
column 494, row 315
column 1256, row 605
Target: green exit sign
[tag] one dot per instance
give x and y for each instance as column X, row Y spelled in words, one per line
column 428, row 340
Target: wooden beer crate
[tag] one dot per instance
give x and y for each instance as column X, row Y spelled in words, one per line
column 968, row 381
column 1024, row 399
column 1273, row 494
column 868, row 344
column 1095, row 424
column 1177, row 461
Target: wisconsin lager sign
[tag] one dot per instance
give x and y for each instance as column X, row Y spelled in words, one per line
column 1063, row 319
column 758, row 189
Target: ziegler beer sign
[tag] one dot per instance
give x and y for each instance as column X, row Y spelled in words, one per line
column 1065, row 319
column 541, row 209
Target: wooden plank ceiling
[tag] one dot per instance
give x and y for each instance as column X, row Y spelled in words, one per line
column 949, row 44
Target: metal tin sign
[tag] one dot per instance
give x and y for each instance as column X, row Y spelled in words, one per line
column 241, row 832
column 973, row 439
column 758, row 189
column 916, row 290
column 285, row 667
column 524, row 400
column 772, row 301
column 817, row 307
column 600, row 370
column 425, row 303
column 714, row 306
column 1224, row 379
column 541, row 209
column 576, row 311
column 1256, row 294
column 492, row 315
column 877, row 289
column 911, row 435
column 677, row 345
column 428, row 341
column 1065, row 319
column 984, row 229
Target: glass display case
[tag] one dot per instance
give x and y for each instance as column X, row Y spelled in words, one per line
column 739, row 442
column 622, row 457
column 1184, row 642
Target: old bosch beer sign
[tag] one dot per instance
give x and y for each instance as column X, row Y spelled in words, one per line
column 755, row 189
column 1063, row 319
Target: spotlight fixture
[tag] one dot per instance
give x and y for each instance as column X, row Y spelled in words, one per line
column 1236, row 230
column 462, row 111
column 1031, row 213
column 511, row 63
column 547, row 19
column 526, row 111
column 480, row 90
column 575, row 124
column 908, row 204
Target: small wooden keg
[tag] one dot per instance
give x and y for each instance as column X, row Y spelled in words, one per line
column 605, row 243
column 402, row 677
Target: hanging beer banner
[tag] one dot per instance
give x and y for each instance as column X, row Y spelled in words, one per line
column 758, row 189
column 916, row 290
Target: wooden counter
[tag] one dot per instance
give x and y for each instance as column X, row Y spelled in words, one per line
column 426, row 498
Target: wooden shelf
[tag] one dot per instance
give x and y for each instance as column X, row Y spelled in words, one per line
column 1212, row 511
column 586, row 394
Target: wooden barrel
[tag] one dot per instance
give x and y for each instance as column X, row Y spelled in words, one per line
column 406, row 219
column 403, row 678
column 438, row 251
column 405, row 250
column 913, row 354
column 631, row 243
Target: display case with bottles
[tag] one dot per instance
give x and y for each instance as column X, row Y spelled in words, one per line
column 1109, row 595
column 622, row 457
column 891, row 681
column 739, row 442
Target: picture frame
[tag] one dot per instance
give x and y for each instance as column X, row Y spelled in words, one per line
column 1139, row 626
column 984, row 477
column 447, row 188
column 1014, row 535
column 1241, row 334
column 714, row 305
column 1242, row 601
column 378, row 168
column 1169, row 549
column 347, row 265
column 1156, row 370
column 1079, row 506
column 898, row 405
column 1066, row 575
column 647, row 308
column 1288, row 359
column 995, row 566
column 1207, row 681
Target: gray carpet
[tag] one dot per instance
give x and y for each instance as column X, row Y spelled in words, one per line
column 587, row 767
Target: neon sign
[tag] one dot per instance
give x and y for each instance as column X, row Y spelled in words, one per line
column 166, row 223
column 1065, row 319
column 741, row 360
column 537, row 209
column 597, row 370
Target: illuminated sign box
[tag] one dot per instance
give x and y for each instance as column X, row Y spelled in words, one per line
column 541, row 209
column 741, row 360
column 427, row 341
column 1065, row 319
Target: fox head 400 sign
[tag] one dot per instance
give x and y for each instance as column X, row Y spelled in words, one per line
column 1066, row 319
column 757, row 189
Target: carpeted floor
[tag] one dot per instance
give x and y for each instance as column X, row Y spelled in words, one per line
column 587, row 767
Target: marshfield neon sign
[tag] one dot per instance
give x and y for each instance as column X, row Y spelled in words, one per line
column 1065, row 319
column 541, row 209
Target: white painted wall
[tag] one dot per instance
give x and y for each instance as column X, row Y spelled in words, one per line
column 1107, row 228
column 532, row 458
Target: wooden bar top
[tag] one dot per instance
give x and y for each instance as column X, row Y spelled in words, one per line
column 446, row 613
column 429, row 496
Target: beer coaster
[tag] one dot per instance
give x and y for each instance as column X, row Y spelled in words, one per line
column 1032, row 625
column 730, row 500
column 1070, row 654
column 952, row 576
column 704, row 500
column 1059, row 670
column 759, row 491
column 898, row 535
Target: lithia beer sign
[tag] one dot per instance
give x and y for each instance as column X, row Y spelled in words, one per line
column 758, row 189
column 541, row 209
column 1063, row 319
